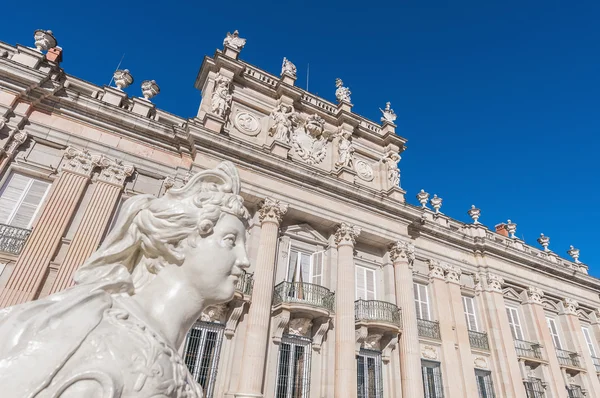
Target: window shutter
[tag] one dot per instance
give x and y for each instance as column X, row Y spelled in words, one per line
column 588, row 340
column 20, row 200
column 469, row 306
column 305, row 267
column 554, row 333
column 361, row 292
column 370, row 285
column 292, row 263
column 30, row 204
column 421, row 301
column 515, row 324
column 317, row 268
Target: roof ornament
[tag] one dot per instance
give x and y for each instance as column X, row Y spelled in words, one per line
column 44, row 40
column 388, row 114
column 342, row 93
column 122, row 78
column 150, row 89
column 234, row 41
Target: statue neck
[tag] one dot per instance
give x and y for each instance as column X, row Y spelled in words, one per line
column 169, row 305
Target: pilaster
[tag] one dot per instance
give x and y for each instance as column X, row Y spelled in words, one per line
column 270, row 215
column 402, row 255
column 31, row 268
column 95, row 220
column 345, row 360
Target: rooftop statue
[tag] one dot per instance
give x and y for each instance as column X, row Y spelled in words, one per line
column 116, row 332
column 234, row 40
column 388, row 114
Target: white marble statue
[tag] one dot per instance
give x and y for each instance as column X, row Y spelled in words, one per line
column 342, row 93
column 282, row 118
column 345, row 150
column 221, row 98
column 388, row 115
column 116, row 332
column 234, row 41
column 288, row 68
column 391, row 160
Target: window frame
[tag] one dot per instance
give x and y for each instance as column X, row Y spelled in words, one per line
column 311, row 265
column 551, row 323
column 588, row 340
column 375, row 356
column 435, row 376
column 365, row 271
column 293, row 342
column 419, row 301
column 514, row 313
column 487, row 389
column 473, row 314
column 23, row 195
column 211, row 376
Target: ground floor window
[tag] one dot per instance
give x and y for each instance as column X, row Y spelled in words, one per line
column 370, row 381
column 202, row 348
column 485, row 386
column 575, row 391
column 432, row 379
column 293, row 367
column 534, row 388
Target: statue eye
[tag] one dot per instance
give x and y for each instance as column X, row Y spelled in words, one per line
column 230, row 239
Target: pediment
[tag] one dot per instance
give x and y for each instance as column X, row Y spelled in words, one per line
column 584, row 316
column 511, row 294
column 306, row 233
column 551, row 305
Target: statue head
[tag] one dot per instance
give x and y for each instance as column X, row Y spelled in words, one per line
column 314, row 125
column 199, row 228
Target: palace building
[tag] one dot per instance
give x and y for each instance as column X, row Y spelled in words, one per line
column 352, row 292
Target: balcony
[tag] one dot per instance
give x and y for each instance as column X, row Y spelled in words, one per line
column 12, row 239
column 304, row 297
column 527, row 349
column 244, row 285
column 596, row 363
column 378, row 313
column 479, row 340
column 568, row 358
column 429, row 329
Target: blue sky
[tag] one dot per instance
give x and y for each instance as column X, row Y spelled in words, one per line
column 499, row 99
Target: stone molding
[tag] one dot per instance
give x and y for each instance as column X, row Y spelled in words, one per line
column 272, row 210
column 322, row 325
column 16, row 140
column 114, row 171
column 280, row 323
column 346, row 234
column 237, row 309
column 401, row 251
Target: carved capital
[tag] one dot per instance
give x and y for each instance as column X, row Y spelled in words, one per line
column 570, row 306
column 169, row 182
column 452, row 273
column 494, row 283
column 79, row 161
column 401, row 251
column 346, row 234
column 17, row 139
column 435, row 269
column 534, row 295
column 272, row 210
column 322, row 326
column 114, row 171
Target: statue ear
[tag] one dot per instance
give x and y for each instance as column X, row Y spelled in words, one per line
column 224, row 178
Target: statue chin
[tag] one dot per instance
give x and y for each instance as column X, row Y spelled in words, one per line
column 112, row 336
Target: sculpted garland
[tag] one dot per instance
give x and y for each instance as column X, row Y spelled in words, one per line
column 116, row 332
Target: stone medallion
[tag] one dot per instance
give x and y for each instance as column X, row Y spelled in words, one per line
column 247, row 123
column 364, row 170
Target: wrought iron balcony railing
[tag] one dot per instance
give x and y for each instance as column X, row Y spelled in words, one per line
column 12, row 239
column 375, row 310
column 479, row 340
column 245, row 284
column 568, row 358
column 534, row 388
column 528, row 349
column 304, row 293
column 596, row 363
column 575, row 391
column 430, row 329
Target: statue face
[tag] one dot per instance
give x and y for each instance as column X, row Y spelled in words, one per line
column 216, row 263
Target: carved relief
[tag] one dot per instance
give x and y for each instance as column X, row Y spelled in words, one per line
column 282, row 119
column 494, row 283
column 391, row 160
column 80, row 162
column 114, row 171
column 345, row 150
column 452, row 273
column 402, row 250
column 480, row 363
column 535, row 294
column 247, row 123
column 272, row 210
column 372, row 341
column 429, row 352
column 300, row 327
column 364, row 170
column 435, row 269
column 17, row 139
column 214, row 313
column 221, row 97
column 346, row 233
column 570, row 306
column 309, row 140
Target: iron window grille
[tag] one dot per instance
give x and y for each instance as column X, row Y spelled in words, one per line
column 370, row 378
column 430, row 329
column 528, row 349
column 202, row 350
column 575, row 392
column 479, row 340
column 293, row 367
column 245, row 283
column 534, row 388
column 567, row 358
column 485, row 386
column 12, row 239
column 432, row 379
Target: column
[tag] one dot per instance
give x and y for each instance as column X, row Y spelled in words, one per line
column 95, row 220
column 402, row 255
column 462, row 331
column 535, row 308
column 451, row 373
column 257, row 330
column 345, row 340
column 17, row 139
column 573, row 323
column 501, row 341
column 31, row 268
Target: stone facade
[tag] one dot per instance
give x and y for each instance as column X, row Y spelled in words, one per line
column 350, row 288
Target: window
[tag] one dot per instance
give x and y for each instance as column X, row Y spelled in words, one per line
column 370, row 382
column 534, row 388
column 202, row 348
column 575, row 391
column 432, row 379
column 20, row 200
column 421, row 301
column 515, row 323
column 365, row 283
column 305, row 267
column 485, row 387
column 293, row 368
column 469, row 306
column 588, row 340
column 554, row 333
